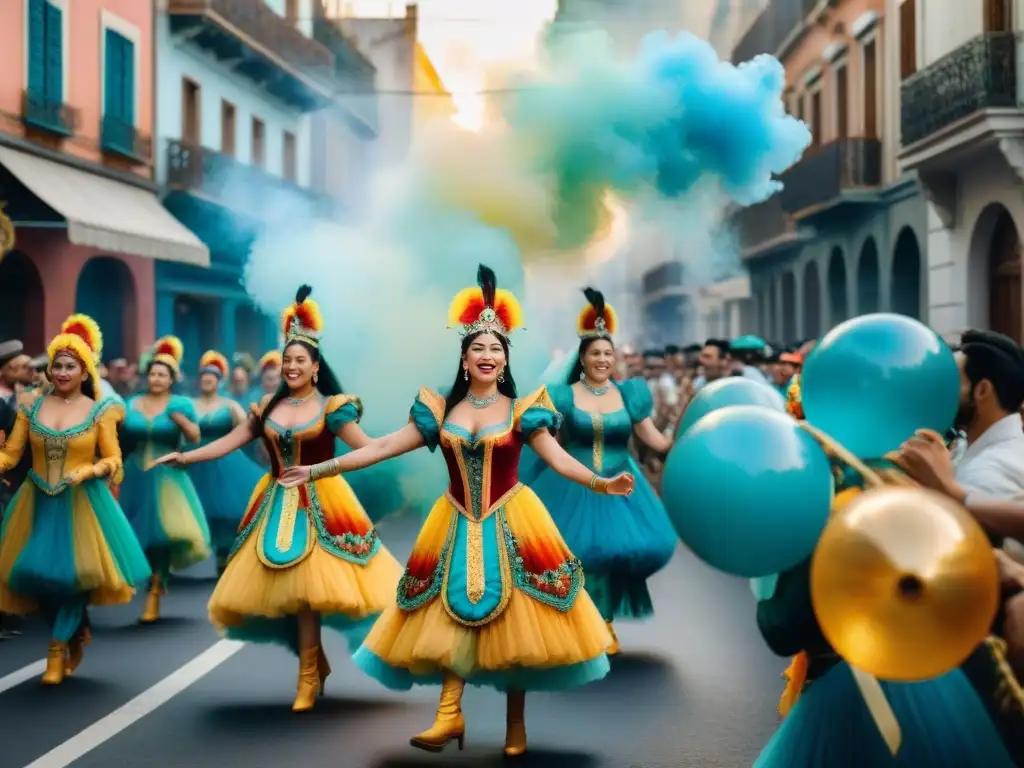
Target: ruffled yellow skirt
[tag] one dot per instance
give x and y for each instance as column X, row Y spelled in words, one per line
column 546, row 634
column 311, row 550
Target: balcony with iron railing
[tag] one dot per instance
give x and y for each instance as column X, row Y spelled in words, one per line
column 758, row 227
column 980, row 74
column 238, row 186
column 118, row 137
column 826, row 175
column 263, row 46
column 47, row 114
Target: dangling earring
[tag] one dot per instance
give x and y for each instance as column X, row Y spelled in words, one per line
column 501, row 377
column 465, row 373
column 583, row 376
column 314, row 378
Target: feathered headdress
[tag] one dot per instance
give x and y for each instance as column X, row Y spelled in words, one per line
column 598, row 319
column 81, row 338
column 242, row 360
column 270, row 360
column 485, row 307
column 214, row 362
column 168, row 351
column 794, row 402
column 302, row 321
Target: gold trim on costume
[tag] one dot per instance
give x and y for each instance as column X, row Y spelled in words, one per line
column 1009, row 692
column 476, row 578
column 490, row 510
column 597, row 422
column 504, row 566
column 268, row 514
column 286, row 527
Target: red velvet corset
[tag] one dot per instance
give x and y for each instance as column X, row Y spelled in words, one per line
column 482, row 474
column 288, row 448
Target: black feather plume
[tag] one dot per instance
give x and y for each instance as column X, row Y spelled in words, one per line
column 303, row 293
column 488, row 284
column 596, row 299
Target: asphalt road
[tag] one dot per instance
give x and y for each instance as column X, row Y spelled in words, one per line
column 694, row 686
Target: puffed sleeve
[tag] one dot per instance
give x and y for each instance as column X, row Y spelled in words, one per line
column 341, row 410
column 536, row 411
column 14, row 447
column 110, row 465
column 179, row 404
column 427, row 413
column 636, row 397
column 562, row 398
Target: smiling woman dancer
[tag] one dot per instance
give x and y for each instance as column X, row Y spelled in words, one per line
column 308, row 554
column 621, row 541
column 65, row 542
column 491, row 595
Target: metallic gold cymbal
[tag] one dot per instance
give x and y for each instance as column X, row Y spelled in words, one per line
column 904, row 583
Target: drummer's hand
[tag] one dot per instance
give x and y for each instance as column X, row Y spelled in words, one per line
column 294, row 476
column 174, row 459
column 927, row 460
column 620, row 485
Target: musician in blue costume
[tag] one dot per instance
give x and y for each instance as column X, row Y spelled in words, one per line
column 621, row 540
column 225, row 484
column 161, row 502
column 943, row 722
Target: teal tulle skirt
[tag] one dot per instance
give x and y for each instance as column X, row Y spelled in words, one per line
column 224, row 487
column 621, row 540
column 943, row 722
column 165, row 512
column 77, row 542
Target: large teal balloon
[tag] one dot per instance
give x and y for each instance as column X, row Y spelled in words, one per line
column 748, row 490
column 872, row 381
column 733, row 390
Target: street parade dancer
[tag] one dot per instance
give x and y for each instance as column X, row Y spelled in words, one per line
column 223, row 485
column 161, row 502
column 308, row 554
column 65, row 543
column 621, row 540
column 491, row 595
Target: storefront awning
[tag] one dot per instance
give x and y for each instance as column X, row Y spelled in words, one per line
column 105, row 214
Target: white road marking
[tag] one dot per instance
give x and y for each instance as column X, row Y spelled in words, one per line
column 108, row 727
column 19, row 676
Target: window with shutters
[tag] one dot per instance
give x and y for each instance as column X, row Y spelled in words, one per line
column 44, row 96
column 870, row 78
column 842, row 102
column 908, row 38
column 290, row 161
column 259, row 149
column 119, row 94
column 997, row 16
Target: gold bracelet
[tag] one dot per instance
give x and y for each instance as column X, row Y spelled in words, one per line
column 323, row 469
column 593, row 482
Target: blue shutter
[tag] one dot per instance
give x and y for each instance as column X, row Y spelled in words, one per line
column 54, row 54
column 128, row 81
column 112, row 74
column 37, row 46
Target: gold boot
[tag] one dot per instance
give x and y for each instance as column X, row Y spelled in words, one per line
column 515, row 723
column 323, row 667
column 614, row 648
column 56, row 660
column 309, row 680
column 151, row 612
column 448, row 723
column 76, row 649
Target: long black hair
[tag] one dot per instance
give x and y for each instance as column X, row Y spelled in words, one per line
column 327, row 383
column 506, row 384
column 596, row 299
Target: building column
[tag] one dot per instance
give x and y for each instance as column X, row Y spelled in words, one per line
column 164, row 313
column 228, row 335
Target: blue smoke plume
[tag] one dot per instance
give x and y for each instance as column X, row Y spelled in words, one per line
column 673, row 133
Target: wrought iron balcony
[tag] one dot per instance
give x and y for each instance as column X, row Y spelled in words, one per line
column 46, row 114
column 778, row 22
column 118, row 137
column 980, row 74
column 238, row 186
column 828, row 173
column 759, row 227
column 260, row 45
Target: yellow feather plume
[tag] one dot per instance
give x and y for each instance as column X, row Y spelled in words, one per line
column 307, row 313
column 214, row 359
column 587, row 320
column 80, row 335
column 468, row 303
column 170, row 346
column 271, row 359
column 88, row 329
